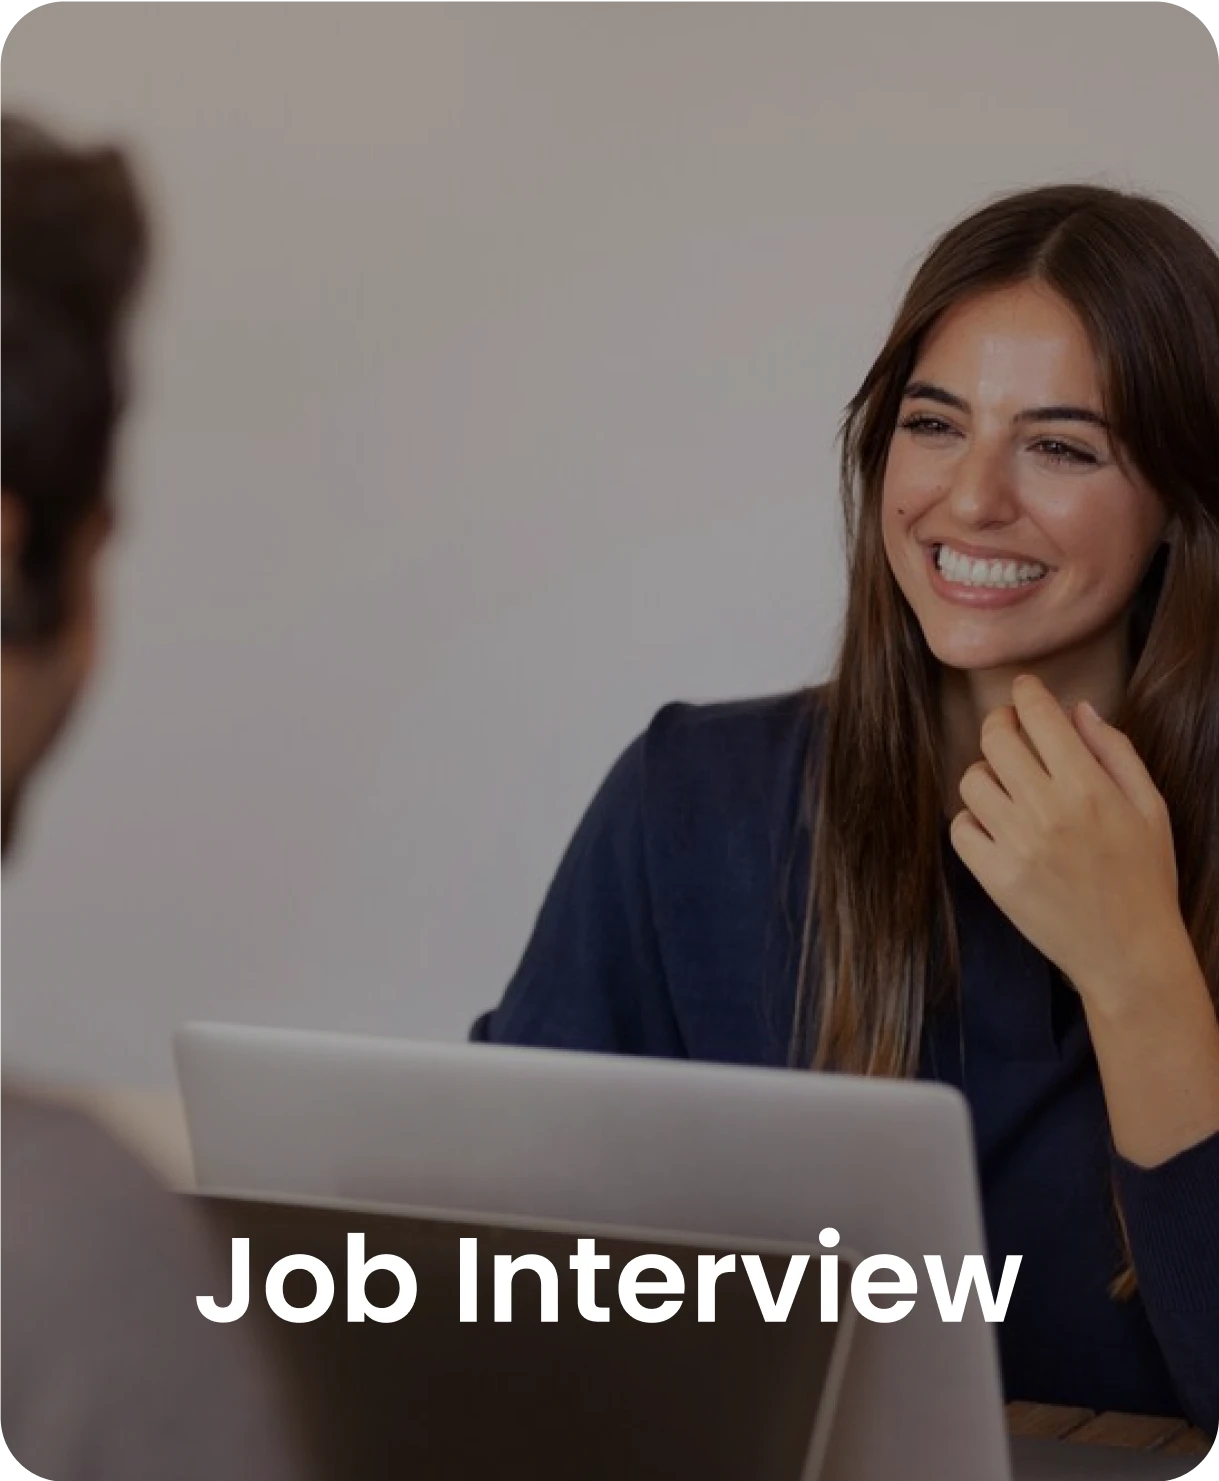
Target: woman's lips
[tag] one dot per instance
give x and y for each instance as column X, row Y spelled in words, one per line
column 987, row 598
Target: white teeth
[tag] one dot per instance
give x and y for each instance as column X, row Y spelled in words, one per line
column 964, row 570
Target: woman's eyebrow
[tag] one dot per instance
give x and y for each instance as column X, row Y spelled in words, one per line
column 1063, row 414
column 927, row 391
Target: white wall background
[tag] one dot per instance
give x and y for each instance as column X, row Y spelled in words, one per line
column 489, row 385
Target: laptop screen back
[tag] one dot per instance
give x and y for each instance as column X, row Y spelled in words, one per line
column 431, row 1396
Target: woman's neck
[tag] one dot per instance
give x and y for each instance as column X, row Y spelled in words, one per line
column 1097, row 672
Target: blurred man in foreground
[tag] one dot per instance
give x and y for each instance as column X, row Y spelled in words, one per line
column 109, row 1372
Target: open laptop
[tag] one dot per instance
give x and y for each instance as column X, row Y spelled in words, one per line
column 532, row 1400
column 549, row 1142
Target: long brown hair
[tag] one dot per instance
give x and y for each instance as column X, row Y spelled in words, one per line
column 880, row 943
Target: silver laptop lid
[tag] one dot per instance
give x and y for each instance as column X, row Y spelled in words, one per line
column 706, row 1149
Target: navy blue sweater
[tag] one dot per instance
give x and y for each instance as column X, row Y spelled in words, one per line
column 672, row 928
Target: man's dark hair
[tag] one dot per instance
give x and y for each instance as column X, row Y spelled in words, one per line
column 74, row 243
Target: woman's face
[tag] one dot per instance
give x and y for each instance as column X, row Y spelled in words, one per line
column 1008, row 523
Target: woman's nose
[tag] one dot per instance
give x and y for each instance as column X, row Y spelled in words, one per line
column 982, row 491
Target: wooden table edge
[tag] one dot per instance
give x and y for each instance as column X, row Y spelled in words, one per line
column 1166, row 1435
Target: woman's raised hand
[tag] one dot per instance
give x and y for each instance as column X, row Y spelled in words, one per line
column 1065, row 830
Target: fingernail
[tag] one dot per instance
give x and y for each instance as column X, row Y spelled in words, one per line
column 1088, row 710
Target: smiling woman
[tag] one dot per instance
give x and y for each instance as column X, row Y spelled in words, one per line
column 1014, row 501
column 945, row 862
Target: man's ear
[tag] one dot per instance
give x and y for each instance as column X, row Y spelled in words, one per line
column 30, row 614
column 98, row 528
column 13, row 532
column 14, row 603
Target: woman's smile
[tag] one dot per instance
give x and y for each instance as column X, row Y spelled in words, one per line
column 973, row 578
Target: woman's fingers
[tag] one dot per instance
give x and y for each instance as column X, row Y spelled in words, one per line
column 1011, row 758
column 1056, row 741
column 1116, row 754
column 975, row 847
column 987, row 800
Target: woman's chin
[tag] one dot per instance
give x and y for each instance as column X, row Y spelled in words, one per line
column 975, row 654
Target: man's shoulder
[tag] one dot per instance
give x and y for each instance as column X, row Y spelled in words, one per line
column 40, row 1132
column 81, row 1213
column 105, row 1351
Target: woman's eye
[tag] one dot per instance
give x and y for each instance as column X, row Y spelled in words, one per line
column 1064, row 452
column 921, row 422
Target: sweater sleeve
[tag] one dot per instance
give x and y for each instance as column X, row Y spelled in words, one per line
column 591, row 976
column 1172, row 1218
